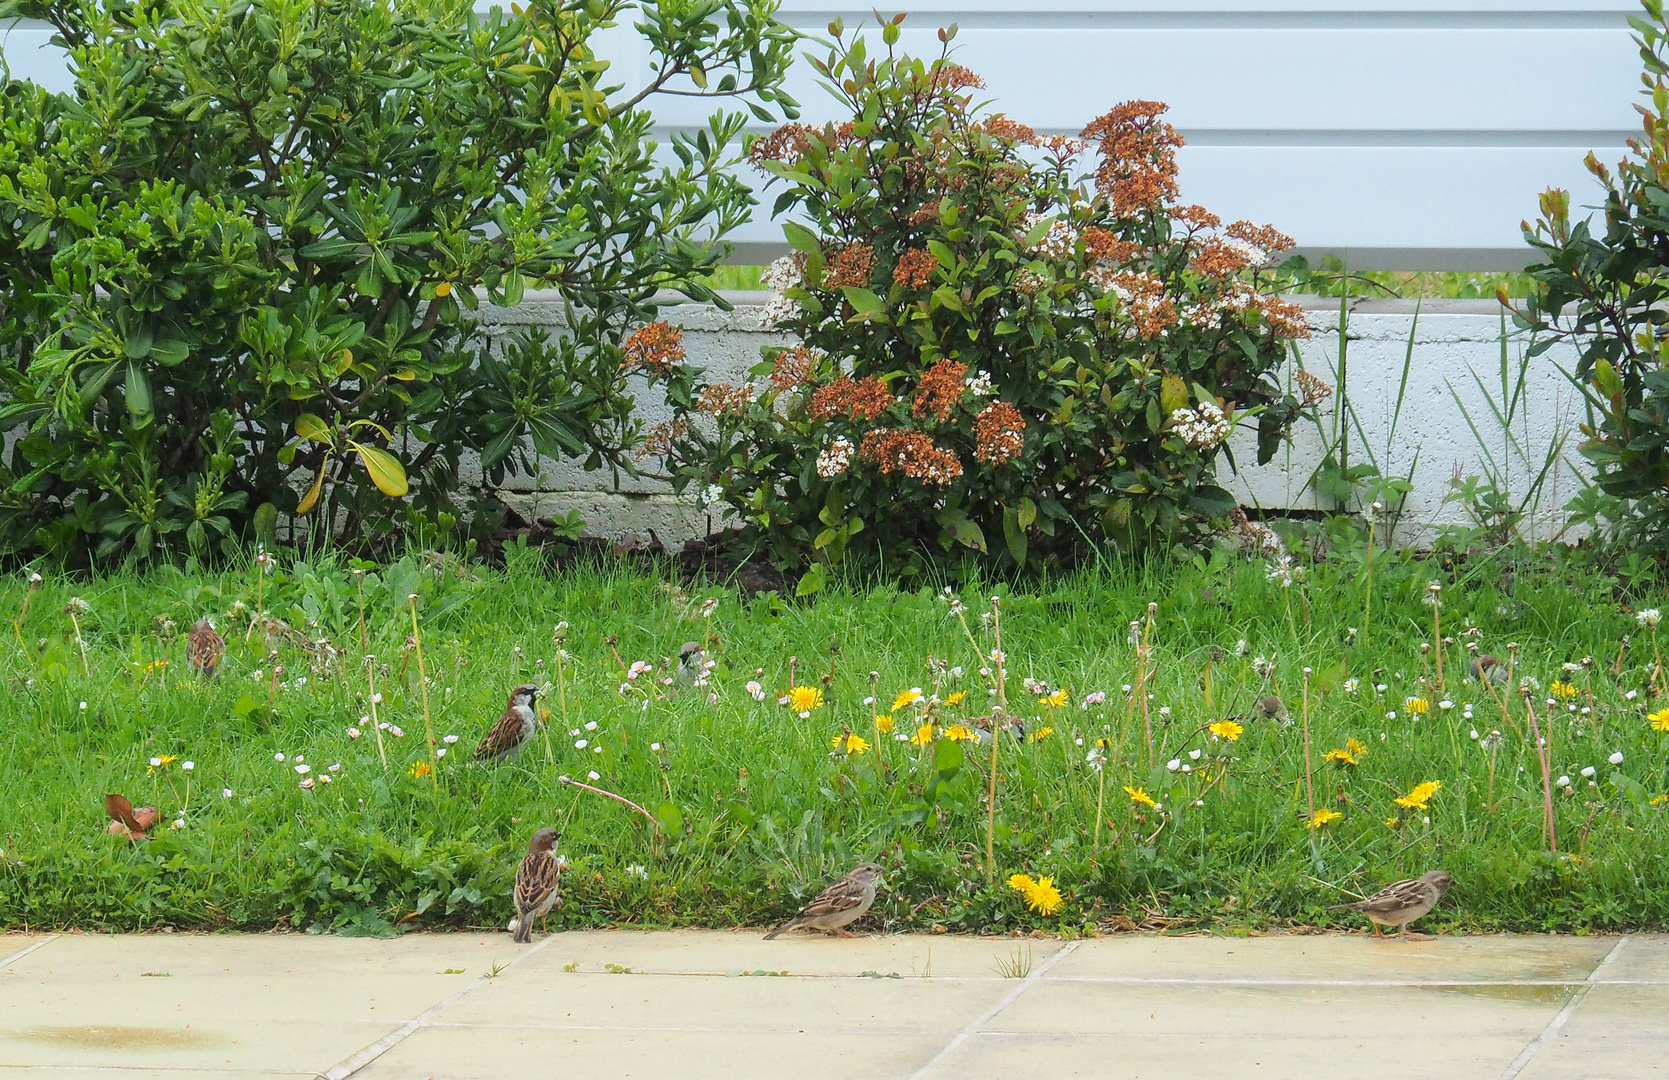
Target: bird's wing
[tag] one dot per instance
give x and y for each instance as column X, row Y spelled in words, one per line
column 504, row 735
column 843, row 895
column 536, row 878
column 120, row 809
column 1395, row 897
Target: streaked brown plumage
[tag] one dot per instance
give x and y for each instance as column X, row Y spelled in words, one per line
column 513, row 729
column 204, row 648
column 1403, row 902
column 1487, row 667
column 846, row 901
column 537, row 881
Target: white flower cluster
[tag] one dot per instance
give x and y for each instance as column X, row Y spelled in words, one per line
column 1059, row 243
column 710, row 496
column 978, row 384
column 1203, row 428
column 779, row 277
column 833, row 461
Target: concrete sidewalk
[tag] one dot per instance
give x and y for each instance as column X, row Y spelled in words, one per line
column 697, row 1004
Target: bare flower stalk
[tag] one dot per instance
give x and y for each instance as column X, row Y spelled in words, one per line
column 17, row 627
column 998, row 713
column 359, row 588
column 559, row 635
column 423, row 682
column 371, row 691
column 1544, row 751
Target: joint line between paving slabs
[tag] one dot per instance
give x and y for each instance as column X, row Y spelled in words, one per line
column 991, row 1014
column 41, row 944
column 358, row 1061
column 1557, row 1024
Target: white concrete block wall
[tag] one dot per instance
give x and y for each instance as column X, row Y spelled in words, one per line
column 1453, row 341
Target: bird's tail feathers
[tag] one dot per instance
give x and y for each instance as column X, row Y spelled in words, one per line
column 789, row 925
column 521, row 930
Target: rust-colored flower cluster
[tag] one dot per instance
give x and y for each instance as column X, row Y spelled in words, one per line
column 1314, row 390
column 787, row 144
column 654, row 348
column 1150, row 310
column 1105, row 247
column 1138, row 150
column 1195, row 217
column 793, row 368
column 914, row 269
column 718, row 399
column 999, row 433
column 925, row 214
column 1286, row 319
column 999, row 126
column 862, row 400
column 911, row 453
column 852, row 265
column 954, row 77
column 1220, row 258
column 658, row 441
column 1265, row 237
column 940, row 388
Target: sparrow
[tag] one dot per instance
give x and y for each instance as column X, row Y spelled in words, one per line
column 513, row 729
column 846, row 901
column 1269, row 707
column 1400, row 904
column 204, row 648
column 1487, row 667
column 537, row 879
column 126, row 821
column 691, row 658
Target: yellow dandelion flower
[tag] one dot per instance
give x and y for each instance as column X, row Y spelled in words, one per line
column 1339, row 759
column 1057, row 700
column 1042, row 897
column 955, row 699
column 923, row 735
column 421, row 769
column 1355, row 749
column 958, row 733
column 1020, row 882
column 905, row 700
column 1040, row 734
column 883, row 723
column 851, row 743
column 1137, row 795
column 1660, row 720
column 1227, row 730
column 804, row 698
column 1657, row 800
column 1562, row 690
column 1393, row 822
column 1419, row 706
column 1422, row 793
column 1321, row 818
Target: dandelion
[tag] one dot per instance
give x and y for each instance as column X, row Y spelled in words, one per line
column 851, row 744
column 803, row 699
column 923, row 735
column 1139, row 796
column 883, row 723
column 1321, row 818
column 1418, row 706
column 958, row 733
column 1660, row 720
column 420, row 769
column 1058, row 699
column 1420, row 796
column 906, row 699
column 1562, row 690
column 1020, row 883
column 1227, row 730
column 1040, row 734
column 1340, row 759
column 1648, row 617
column 1042, row 896
column 955, row 699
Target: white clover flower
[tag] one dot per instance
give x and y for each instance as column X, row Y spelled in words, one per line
column 581, row 744
column 440, row 752
column 1588, row 770
column 353, row 733
column 449, row 739
column 336, row 767
column 1616, row 758
column 1631, row 695
column 1563, row 781
column 1445, row 704
column 395, row 731
column 655, row 746
column 278, row 757
column 594, row 775
column 1648, row 617
column 225, row 793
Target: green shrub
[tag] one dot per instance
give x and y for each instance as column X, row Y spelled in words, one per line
column 241, row 256
column 1005, row 348
column 1602, row 289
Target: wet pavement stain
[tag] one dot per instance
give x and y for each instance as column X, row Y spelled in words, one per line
column 90, row 1037
column 1528, row 994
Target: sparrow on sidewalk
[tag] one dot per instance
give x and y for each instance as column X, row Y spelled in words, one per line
column 846, row 901
column 1403, row 902
column 513, row 729
column 537, row 881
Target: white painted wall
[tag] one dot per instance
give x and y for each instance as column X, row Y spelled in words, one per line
column 1399, row 134
column 1453, row 341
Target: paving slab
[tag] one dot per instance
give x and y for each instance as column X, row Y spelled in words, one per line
column 698, row 1004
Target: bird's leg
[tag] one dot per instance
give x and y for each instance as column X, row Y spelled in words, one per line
column 1375, row 926
column 842, row 932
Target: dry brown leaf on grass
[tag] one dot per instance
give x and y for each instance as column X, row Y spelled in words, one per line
column 126, row 821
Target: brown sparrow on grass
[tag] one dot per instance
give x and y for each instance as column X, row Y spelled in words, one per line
column 846, row 901
column 691, row 657
column 1268, row 707
column 1487, row 667
column 1401, row 903
column 204, row 648
column 537, row 879
column 127, row 821
column 513, row 729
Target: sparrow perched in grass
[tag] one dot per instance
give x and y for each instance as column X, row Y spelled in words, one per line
column 513, row 729
column 846, row 901
column 1487, row 667
column 691, row 657
column 1269, row 707
column 537, row 879
column 1400, row 904
column 204, row 648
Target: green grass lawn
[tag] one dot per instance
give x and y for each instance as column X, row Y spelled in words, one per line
column 756, row 807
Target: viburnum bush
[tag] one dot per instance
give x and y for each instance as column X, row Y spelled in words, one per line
column 1010, row 342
